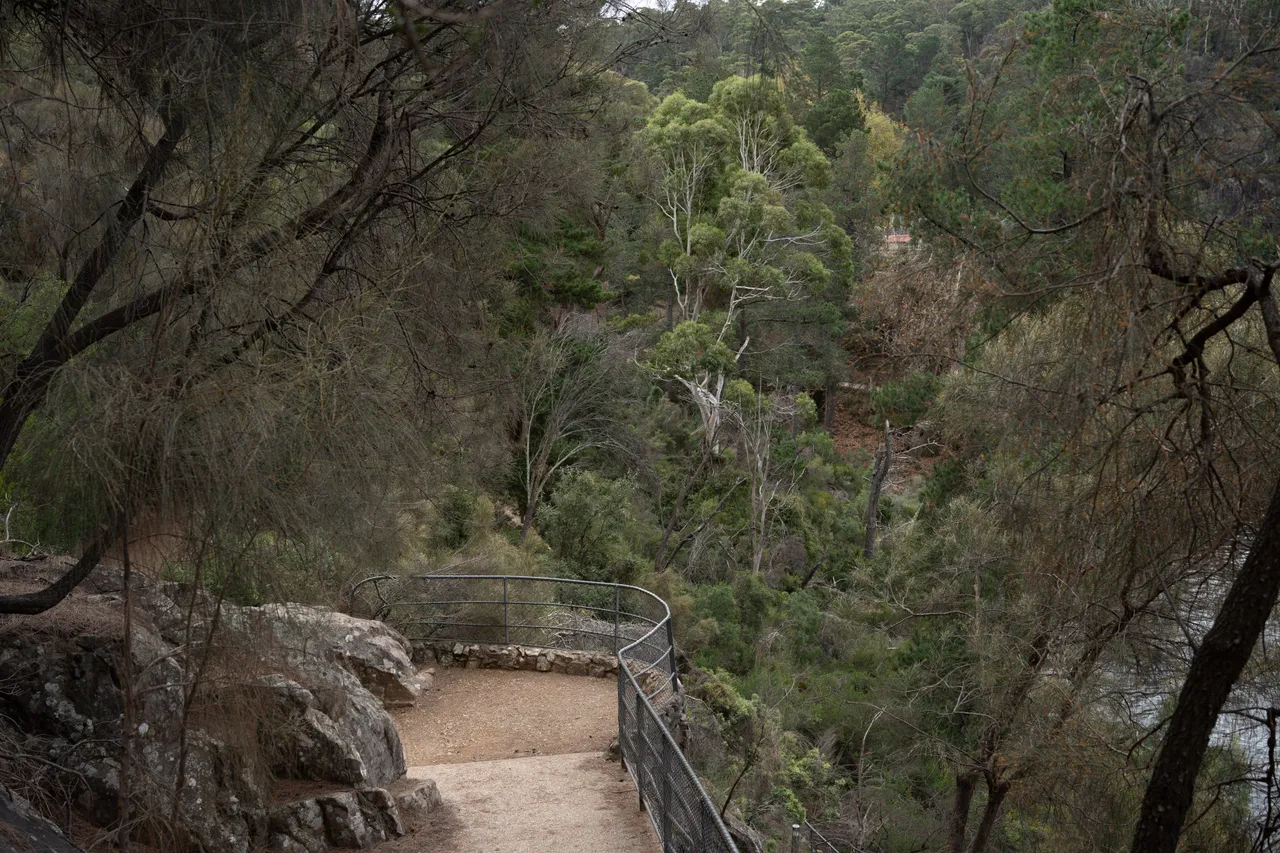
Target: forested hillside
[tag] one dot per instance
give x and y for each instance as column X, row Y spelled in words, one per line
column 923, row 355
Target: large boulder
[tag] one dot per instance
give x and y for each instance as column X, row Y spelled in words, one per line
column 372, row 651
column 64, row 705
column 344, row 671
column 346, row 819
column 332, row 735
column 23, row 830
column 283, row 695
column 68, row 708
column 369, row 728
column 222, row 794
column 296, row 826
column 375, row 653
column 417, row 798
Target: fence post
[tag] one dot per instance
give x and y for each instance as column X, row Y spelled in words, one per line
column 617, row 615
column 506, row 618
column 667, row 845
column 622, row 720
column 640, row 744
column 671, row 652
column 795, row 838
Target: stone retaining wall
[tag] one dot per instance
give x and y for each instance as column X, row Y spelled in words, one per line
column 488, row 656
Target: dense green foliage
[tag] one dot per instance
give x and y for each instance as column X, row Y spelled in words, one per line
column 643, row 325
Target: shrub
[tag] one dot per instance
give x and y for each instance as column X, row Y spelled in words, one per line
column 589, row 523
column 904, row 403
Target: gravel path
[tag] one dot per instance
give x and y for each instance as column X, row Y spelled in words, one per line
column 481, row 714
column 518, row 758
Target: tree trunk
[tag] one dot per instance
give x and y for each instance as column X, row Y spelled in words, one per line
column 527, row 522
column 813, row 570
column 29, row 603
column 1214, row 669
column 879, row 471
column 537, row 479
column 829, row 406
column 31, row 379
column 996, row 792
column 659, row 560
column 27, row 389
column 965, row 783
column 758, row 539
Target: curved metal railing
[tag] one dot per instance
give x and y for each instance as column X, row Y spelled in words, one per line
column 559, row 613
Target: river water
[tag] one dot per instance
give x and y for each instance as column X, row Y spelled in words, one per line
column 1146, row 693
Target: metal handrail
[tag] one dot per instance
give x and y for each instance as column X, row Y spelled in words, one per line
column 679, row 807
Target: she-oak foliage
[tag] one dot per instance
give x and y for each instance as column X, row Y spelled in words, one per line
column 1114, row 174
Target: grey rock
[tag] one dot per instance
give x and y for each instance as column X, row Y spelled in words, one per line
column 23, row 829
column 357, row 726
column 221, row 801
column 423, row 680
column 418, row 801
column 319, row 723
column 277, row 841
column 306, row 743
column 374, row 652
column 297, row 826
column 325, row 754
column 382, row 813
column 346, row 819
column 67, row 704
column 369, row 728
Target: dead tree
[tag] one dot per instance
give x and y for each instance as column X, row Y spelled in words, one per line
column 879, row 471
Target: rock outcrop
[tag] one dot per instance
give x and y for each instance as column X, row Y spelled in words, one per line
column 417, row 799
column 287, row 692
column 352, row 819
column 373, row 652
column 335, row 732
column 67, row 708
column 23, row 830
column 358, row 819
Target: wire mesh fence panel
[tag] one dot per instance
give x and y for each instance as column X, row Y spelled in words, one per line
column 559, row 613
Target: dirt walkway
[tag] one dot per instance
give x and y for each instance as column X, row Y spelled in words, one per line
column 518, row 758
column 481, row 714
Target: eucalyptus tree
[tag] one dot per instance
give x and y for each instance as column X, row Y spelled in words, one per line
column 565, row 405
column 757, row 265
column 734, row 183
column 687, row 146
column 694, row 356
